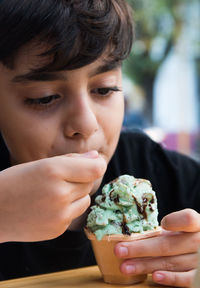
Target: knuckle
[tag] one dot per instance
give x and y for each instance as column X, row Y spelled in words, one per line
column 97, row 171
column 63, row 194
column 164, row 246
column 172, row 279
column 49, row 169
column 178, row 279
column 168, row 264
column 140, row 268
column 134, row 249
column 196, row 240
column 57, row 195
column 60, row 190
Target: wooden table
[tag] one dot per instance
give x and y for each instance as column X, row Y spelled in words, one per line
column 84, row 277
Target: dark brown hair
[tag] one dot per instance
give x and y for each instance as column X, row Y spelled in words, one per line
column 77, row 31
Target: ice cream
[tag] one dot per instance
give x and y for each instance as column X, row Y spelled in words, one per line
column 126, row 211
column 127, row 205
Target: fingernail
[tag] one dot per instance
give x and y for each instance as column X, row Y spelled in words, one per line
column 91, row 154
column 123, row 251
column 130, row 269
column 159, row 276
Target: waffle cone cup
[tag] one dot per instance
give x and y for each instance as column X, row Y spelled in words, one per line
column 109, row 264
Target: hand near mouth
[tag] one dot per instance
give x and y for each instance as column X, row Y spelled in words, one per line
column 40, row 199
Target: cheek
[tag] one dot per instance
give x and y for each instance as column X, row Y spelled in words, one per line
column 27, row 137
column 112, row 123
column 115, row 116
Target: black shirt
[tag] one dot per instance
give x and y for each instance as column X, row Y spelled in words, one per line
column 175, row 179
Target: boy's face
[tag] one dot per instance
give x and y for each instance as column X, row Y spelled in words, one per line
column 59, row 113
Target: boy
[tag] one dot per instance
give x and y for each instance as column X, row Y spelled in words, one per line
column 61, row 111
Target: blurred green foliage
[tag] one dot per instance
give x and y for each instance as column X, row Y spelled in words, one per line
column 158, row 24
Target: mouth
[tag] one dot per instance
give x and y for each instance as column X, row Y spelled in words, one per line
column 80, row 147
column 79, row 151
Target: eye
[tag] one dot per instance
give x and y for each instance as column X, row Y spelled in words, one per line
column 105, row 91
column 43, row 101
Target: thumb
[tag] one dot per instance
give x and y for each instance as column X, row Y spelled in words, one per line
column 186, row 220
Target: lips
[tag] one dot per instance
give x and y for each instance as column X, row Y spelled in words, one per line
column 77, row 151
column 78, row 146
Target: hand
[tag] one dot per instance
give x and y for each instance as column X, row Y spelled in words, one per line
column 171, row 256
column 39, row 200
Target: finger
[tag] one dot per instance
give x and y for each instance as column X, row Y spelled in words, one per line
column 174, row 279
column 78, row 207
column 186, row 220
column 79, row 190
column 74, row 168
column 149, row 265
column 164, row 245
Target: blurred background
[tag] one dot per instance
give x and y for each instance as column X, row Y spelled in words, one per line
column 162, row 74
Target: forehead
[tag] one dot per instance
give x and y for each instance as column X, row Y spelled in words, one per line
column 30, row 59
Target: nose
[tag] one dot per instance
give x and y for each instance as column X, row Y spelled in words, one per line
column 81, row 118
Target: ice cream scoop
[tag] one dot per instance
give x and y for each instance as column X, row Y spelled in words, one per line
column 127, row 205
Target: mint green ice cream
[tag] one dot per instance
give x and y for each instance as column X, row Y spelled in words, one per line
column 127, row 205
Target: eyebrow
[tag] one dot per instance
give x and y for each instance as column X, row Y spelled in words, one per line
column 38, row 76
column 35, row 76
column 106, row 67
